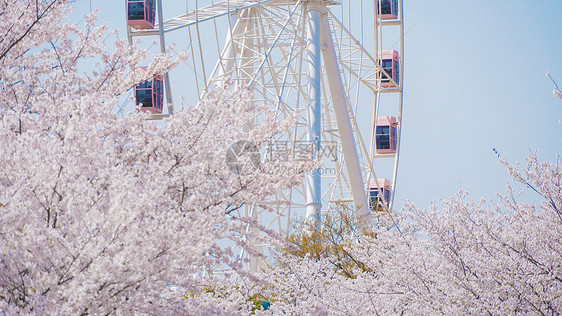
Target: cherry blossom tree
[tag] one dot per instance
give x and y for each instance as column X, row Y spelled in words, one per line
column 102, row 215
column 466, row 258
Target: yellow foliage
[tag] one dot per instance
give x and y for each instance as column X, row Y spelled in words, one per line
column 339, row 229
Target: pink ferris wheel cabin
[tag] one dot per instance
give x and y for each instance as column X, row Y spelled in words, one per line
column 150, row 95
column 390, row 62
column 386, row 135
column 388, row 9
column 379, row 193
column 141, row 14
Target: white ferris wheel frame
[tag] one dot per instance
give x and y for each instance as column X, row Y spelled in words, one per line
column 319, row 46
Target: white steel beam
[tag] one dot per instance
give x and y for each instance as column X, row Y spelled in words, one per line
column 228, row 56
column 169, row 100
column 314, row 114
column 343, row 121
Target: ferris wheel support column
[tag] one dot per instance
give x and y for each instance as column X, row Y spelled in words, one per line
column 343, row 121
column 314, row 116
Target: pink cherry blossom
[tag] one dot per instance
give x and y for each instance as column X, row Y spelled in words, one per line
column 108, row 215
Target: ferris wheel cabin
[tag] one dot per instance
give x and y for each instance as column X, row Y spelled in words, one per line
column 150, row 95
column 379, row 195
column 390, row 62
column 141, row 14
column 386, row 135
column 388, row 9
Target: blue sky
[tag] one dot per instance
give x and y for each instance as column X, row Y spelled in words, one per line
column 474, row 80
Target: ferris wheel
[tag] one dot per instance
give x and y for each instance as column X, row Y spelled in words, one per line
column 338, row 63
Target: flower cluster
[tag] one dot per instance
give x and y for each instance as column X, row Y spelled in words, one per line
column 557, row 93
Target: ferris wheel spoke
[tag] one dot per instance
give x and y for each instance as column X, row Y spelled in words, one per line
column 220, row 9
column 268, row 67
